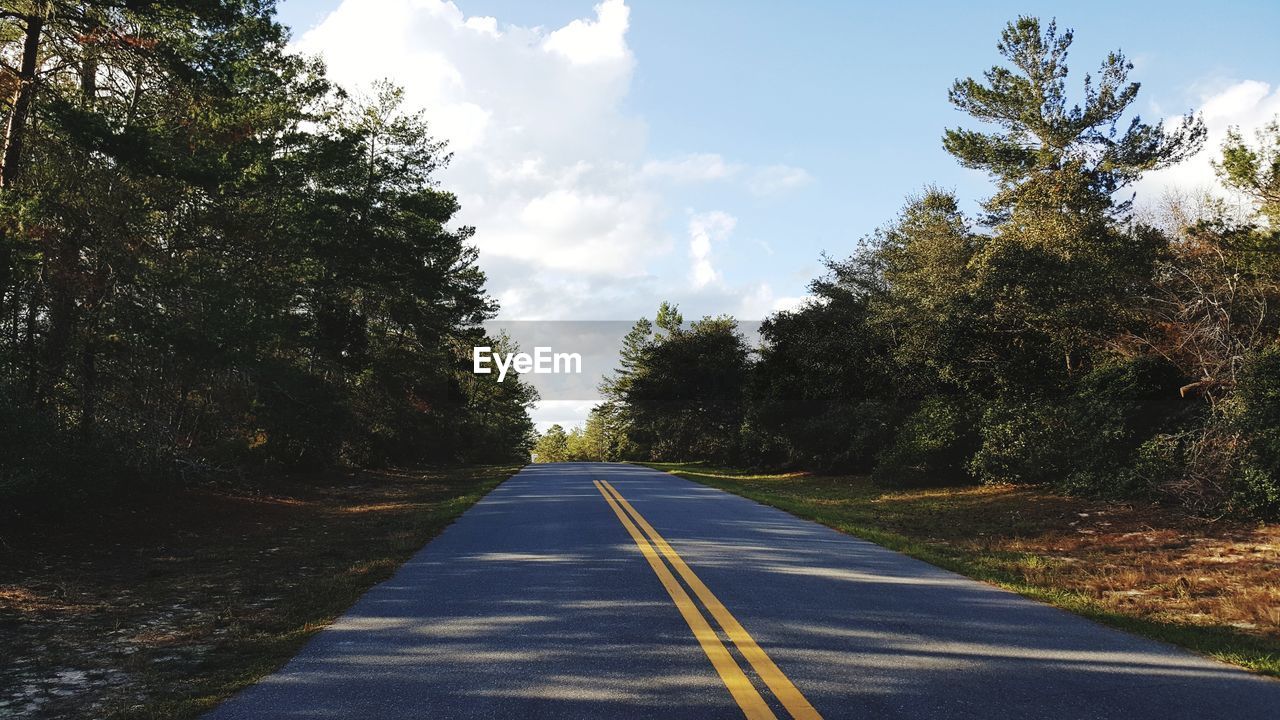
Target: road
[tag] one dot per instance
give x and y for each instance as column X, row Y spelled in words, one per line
column 585, row 590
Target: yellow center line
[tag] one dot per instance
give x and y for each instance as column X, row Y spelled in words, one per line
column 781, row 686
column 740, row 687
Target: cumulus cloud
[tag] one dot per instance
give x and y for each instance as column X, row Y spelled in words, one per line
column 777, row 179
column 568, row 414
column 701, row 167
column 705, row 229
column 761, row 301
column 544, row 157
column 573, row 214
column 593, row 41
column 1248, row 105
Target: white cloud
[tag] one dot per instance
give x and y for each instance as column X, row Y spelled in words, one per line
column 703, row 167
column 777, row 179
column 573, row 214
column 787, row 304
column 760, row 301
column 487, row 25
column 593, row 41
column 705, row 229
column 1247, row 105
column 544, row 159
column 568, row 414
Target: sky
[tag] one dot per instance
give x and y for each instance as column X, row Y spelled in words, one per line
column 615, row 154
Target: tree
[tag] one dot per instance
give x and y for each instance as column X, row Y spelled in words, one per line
column 613, row 415
column 927, row 309
column 631, row 355
column 552, row 446
column 1210, row 314
column 818, row 396
column 211, row 257
column 1059, row 265
column 1255, row 170
column 686, row 399
column 669, row 318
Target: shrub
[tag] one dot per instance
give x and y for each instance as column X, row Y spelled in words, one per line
column 931, row 445
column 299, row 418
column 1114, row 410
column 47, row 467
column 1256, row 484
column 1088, row 440
column 1020, row 441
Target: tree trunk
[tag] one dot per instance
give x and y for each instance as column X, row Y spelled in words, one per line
column 61, row 280
column 88, row 392
column 15, row 132
column 29, row 343
column 89, row 360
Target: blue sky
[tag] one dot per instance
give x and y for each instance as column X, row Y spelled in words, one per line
column 708, row 152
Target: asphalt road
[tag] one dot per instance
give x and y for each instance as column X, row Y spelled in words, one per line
column 555, row 597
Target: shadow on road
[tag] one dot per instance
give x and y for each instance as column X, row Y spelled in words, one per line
column 537, row 604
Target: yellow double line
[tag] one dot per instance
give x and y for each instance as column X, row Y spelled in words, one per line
column 740, row 687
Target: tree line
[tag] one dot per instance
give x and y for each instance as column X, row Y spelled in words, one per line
column 1059, row 336
column 211, row 257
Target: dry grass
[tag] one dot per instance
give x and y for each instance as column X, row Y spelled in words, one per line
column 160, row 610
column 1210, row 585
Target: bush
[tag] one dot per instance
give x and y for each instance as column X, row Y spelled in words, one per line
column 931, row 446
column 1020, row 441
column 1114, row 411
column 300, row 419
column 1257, row 483
column 1090, row 440
column 47, row 467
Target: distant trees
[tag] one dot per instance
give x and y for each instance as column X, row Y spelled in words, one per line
column 210, row 256
column 1056, row 338
column 552, row 446
column 600, row 439
column 679, row 392
column 687, row 400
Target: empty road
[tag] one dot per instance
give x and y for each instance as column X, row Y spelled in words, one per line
column 588, row 590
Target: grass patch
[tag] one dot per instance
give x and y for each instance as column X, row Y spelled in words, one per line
column 1210, row 586
column 162, row 610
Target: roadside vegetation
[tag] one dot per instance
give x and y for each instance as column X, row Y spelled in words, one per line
column 1212, row 586
column 1062, row 337
column 159, row 608
column 215, row 261
column 231, row 295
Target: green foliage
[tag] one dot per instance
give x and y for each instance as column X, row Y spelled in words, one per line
column 223, row 259
column 688, row 399
column 1255, row 170
column 1047, row 150
column 816, row 394
column 552, row 446
column 1055, row 274
column 926, row 303
column 1019, row 442
column 1055, row 341
column 679, row 393
column 669, row 318
column 930, row 446
column 1114, row 410
column 605, row 437
column 45, row 465
column 298, row 420
column 1091, row 439
column 1257, row 486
